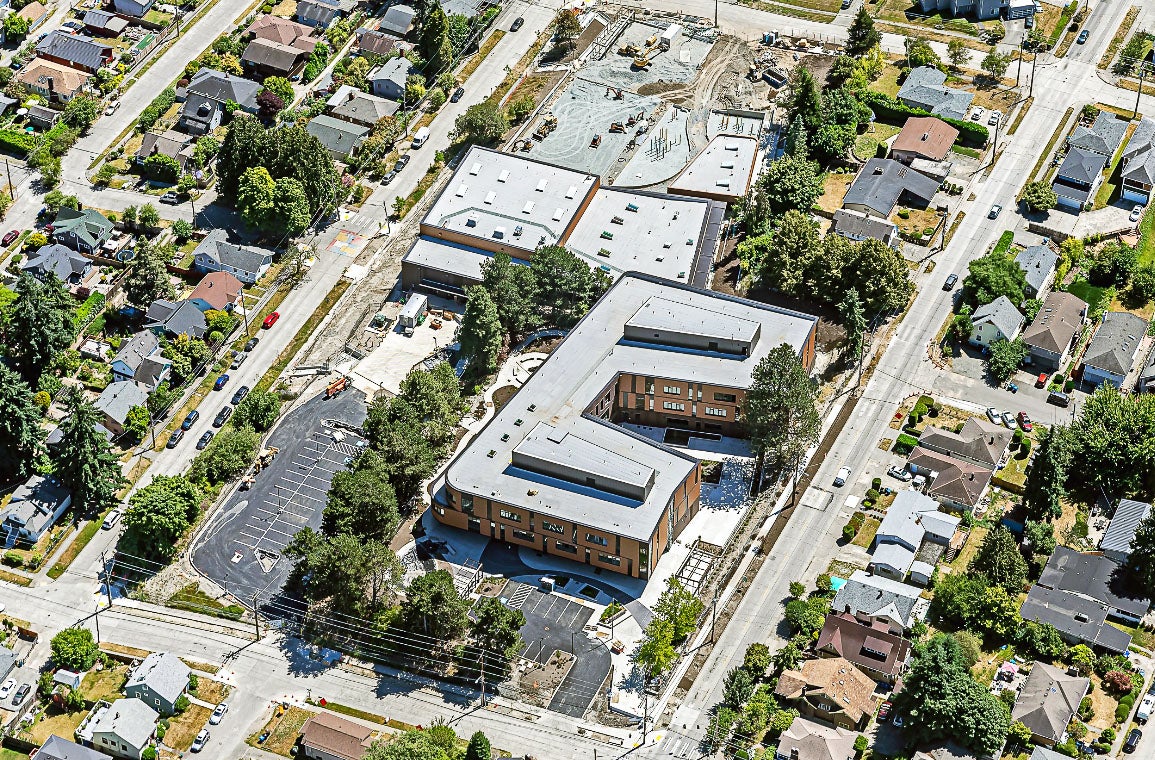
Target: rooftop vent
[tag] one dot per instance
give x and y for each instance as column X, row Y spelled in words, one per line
column 617, row 220
column 519, row 422
column 571, row 192
column 632, row 207
column 541, row 185
column 505, row 436
column 503, row 176
column 528, row 209
column 475, row 169
column 490, row 198
column 462, row 189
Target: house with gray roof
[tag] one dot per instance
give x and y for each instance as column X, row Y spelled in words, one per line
column 924, row 89
column 982, row 9
column 361, row 107
column 122, row 728
column 910, row 521
column 159, row 681
column 340, row 138
column 1138, row 163
column 1146, row 382
column 68, row 265
column 1078, row 178
column 101, row 23
column 1047, row 701
column 216, row 254
column 399, row 20
column 75, row 50
column 1094, row 577
column 322, row 13
column 1116, row 542
column 33, row 508
column 134, row 8
column 876, row 601
column 857, row 226
column 206, row 96
column 139, row 360
column 995, row 321
column 178, row 146
column 8, row 660
column 85, row 231
column 388, row 79
column 115, row 402
column 1038, row 265
column 1078, row 619
column 810, row 740
column 1113, row 351
column 174, row 318
column 57, row 748
column 883, row 183
column 1103, row 137
column 1052, row 334
column 980, row 441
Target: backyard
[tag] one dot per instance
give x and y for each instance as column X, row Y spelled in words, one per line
column 183, row 728
column 104, row 684
column 54, row 721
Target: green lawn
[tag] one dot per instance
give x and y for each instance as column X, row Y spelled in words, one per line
column 868, row 142
column 1109, row 190
column 1091, row 294
column 1147, row 236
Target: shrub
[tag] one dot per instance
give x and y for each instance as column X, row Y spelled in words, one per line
column 892, row 111
column 872, row 495
column 1124, row 708
column 17, row 142
column 1117, row 681
column 156, row 109
column 13, row 559
column 876, row 483
column 181, row 703
column 905, row 444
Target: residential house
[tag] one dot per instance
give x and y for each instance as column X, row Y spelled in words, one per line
column 122, row 729
column 76, row 50
column 1116, row 542
column 1103, row 137
column 876, row 600
column 101, row 23
column 35, row 13
column 954, row 483
column 376, row 42
column 217, row 290
column 1078, row 619
column 1042, row 753
column 176, row 145
column 399, row 20
column 923, row 137
column 216, row 254
column 1114, row 350
column 1078, row 179
column 340, row 138
column 69, row 266
column 924, row 89
column 1094, row 577
column 159, row 681
column 51, row 80
column 982, row 9
column 388, row 79
column 883, row 183
column 871, row 648
column 207, row 95
column 57, row 748
column 43, row 117
column 85, row 231
column 945, row 750
column 808, row 740
column 277, row 29
column 1138, row 163
column 134, row 8
column 8, row 659
column 360, row 107
column 830, row 689
column 939, row 171
column 117, row 400
column 855, row 225
column 174, row 318
column 322, row 13
column 1038, row 265
column 995, row 321
column 980, row 441
column 911, row 522
column 326, row 736
column 1146, row 383
column 265, row 58
column 1047, row 701
column 139, row 360
column 1053, row 333
column 69, row 679
column 32, row 510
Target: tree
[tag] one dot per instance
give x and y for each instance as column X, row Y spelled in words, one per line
column 15, row 27
column 1039, row 196
column 280, row 87
column 993, row 275
column 85, row 462
column 1039, row 537
column 226, row 456
column 1082, row 659
column 1141, row 560
column 148, row 216
column 791, row 247
column 796, row 138
column 1143, row 284
column 970, row 645
column 656, row 654
column 678, row 605
column 355, row 576
column 920, row 53
column 788, row 657
column 75, row 649
column 411, row 745
column 566, row 287
column 1047, row 476
column 478, row 748
column 136, row 422
column 1019, row 734
column 1000, row 561
column 40, row 324
column 806, row 616
column 1005, row 358
column 496, row 629
column 805, row 99
column 148, row 279
column 957, row 52
column 995, row 64
column 757, row 659
column 737, row 687
column 186, row 354
column 1114, row 264
column 434, row 43
column 159, row 515
column 781, row 413
column 566, row 27
column 21, row 437
column 513, row 290
column 481, row 334
column 80, row 112
column 791, row 182
column 414, row 88
column 255, row 196
column 962, row 325
column 482, row 123
column 862, row 35
column 161, row 168
column 433, row 607
column 1042, row 640
column 362, row 502
column 853, row 321
column 258, row 410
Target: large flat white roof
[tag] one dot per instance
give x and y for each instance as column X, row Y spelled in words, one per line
column 725, row 167
column 546, row 418
column 449, row 257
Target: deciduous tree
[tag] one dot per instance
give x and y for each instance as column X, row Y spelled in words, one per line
column 75, row 649
column 789, row 183
column 482, row 123
column 920, row 53
column 656, row 654
column 1141, row 560
column 433, row 607
column 158, row 516
column 1005, row 358
column 1039, row 196
column 362, row 502
column 994, row 275
column 679, row 605
column 995, row 64
column 258, row 410
column 957, row 52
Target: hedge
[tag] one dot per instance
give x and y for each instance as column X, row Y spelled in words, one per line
column 893, row 111
column 156, row 109
column 905, row 444
column 16, row 141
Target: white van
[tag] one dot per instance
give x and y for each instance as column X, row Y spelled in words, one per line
column 420, row 136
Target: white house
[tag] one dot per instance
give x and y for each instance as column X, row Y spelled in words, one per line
column 122, row 728
column 997, row 320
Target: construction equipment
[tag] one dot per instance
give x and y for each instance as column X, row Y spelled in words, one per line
column 265, row 458
column 435, row 323
column 651, row 40
column 618, row 127
column 596, row 141
column 644, row 59
column 336, row 387
column 548, row 124
column 615, row 92
column 635, row 119
column 629, row 50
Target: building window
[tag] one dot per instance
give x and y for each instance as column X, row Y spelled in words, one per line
column 567, row 548
column 523, row 535
column 473, row 524
column 467, row 502
column 715, row 412
column 507, row 515
column 674, row 406
column 640, row 402
column 547, row 525
column 596, row 540
column 728, row 398
column 673, row 390
column 609, row 559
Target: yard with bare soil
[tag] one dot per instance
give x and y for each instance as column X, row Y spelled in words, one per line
column 539, row 684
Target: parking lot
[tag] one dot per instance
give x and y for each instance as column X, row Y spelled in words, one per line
column 242, row 547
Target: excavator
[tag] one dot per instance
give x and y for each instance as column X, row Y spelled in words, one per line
column 629, row 50
column 643, row 60
column 548, row 124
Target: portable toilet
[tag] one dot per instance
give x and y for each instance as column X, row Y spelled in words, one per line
column 413, row 310
column 668, row 36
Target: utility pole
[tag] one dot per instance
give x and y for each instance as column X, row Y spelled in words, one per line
column 193, row 203
column 483, row 677
column 713, row 617
column 610, row 690
column 97, row 617
column 108, row 576
column 1019, row 68
column 12, row 186
column 257, row 617
column 715, row 14
column 1034, row 60
column 1139, row 94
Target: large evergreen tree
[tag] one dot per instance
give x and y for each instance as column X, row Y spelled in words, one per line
column 566, row 286
column 513, row 289
column 781, row 411
column 805, row 99
column 40, row 324
column 148, row 279
column 1000, row 561
column 1047, row 477
column 481, row 334
column 21, row 437
column 853, row 321
column 862, row 35
column 434, row 43
column 85, row 462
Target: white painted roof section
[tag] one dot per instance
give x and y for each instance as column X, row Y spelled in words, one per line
column 547, row 413
column 665, row 315
column 443, row 256
column 727, row 164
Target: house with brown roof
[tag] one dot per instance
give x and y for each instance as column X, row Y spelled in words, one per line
column 873, row 649
column 217, row 290
column 923, row 137
column 52, row 80
column 807, row 740
column 980, row 441
column 326, row 736
column 831, row 689
column 1047, row 701
column 277, row 29
column 379, row 43
column 267, row 58
column 952, row 482
column 34, row 13
column 1055, row 331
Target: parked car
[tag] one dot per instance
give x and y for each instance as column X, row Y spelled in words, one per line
column 204, row 440
column 1041, row 382
column 403, row 162
column 842, row 476
column 22, row 692
column 994, row 118
column 240, row 394
column 978, row 113
column 456, row 96
column 222, row 416
column 238, row 359
column 884, row 711
column 1030, row 22
column 1132, row 740
column 1009, row 420
column 219, row 713
column 1136, row 214
column 1083, row 36
column 517, row 24
column 251, row 343
column 170, row 198
column 111, row 519
column 1058, row 399
column 901, row 473
column 271, row 320
column 7, row 688
column 199, row 742
column 10, row 237
column 1025, row 422
column 389, row 176
column 221, row 381
column 190, row 420
column 112, row 108
column 994, row 415
column 951, row 279
column 174, row 439
column 995, row 211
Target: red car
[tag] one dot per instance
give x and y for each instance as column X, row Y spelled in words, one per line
column 884, row 711
column 1025, row 422
column 1042, row 381
column 10, row 237
column 271, row 320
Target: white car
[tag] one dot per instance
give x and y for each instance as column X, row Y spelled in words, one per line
column 994, row 415
column 219, row 713
column 1009, row 420
column 112, row 519
column 199, row 742
column 6, row 688
column 978, row 114
column 1136, row 213
column 842, row 476
column 901, row 473
column 994, row 119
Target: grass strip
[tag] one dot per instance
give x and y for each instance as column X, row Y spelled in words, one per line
column 486, row 47
column 1046, row 154
column 1064, row 22
column 352, row 712
column 1021, row 115
column 86, row 534
column 19, row 580
column 1120, row 35
column 303, row 335
column 1147, row 237
column 784, row 9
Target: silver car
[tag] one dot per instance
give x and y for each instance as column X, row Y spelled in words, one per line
column 1009, row 420
column 201, row 740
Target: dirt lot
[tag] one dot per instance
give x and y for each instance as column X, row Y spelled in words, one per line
column 538, row 685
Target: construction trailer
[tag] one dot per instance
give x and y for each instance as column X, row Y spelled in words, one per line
column 413, row 310
column 669, row 36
